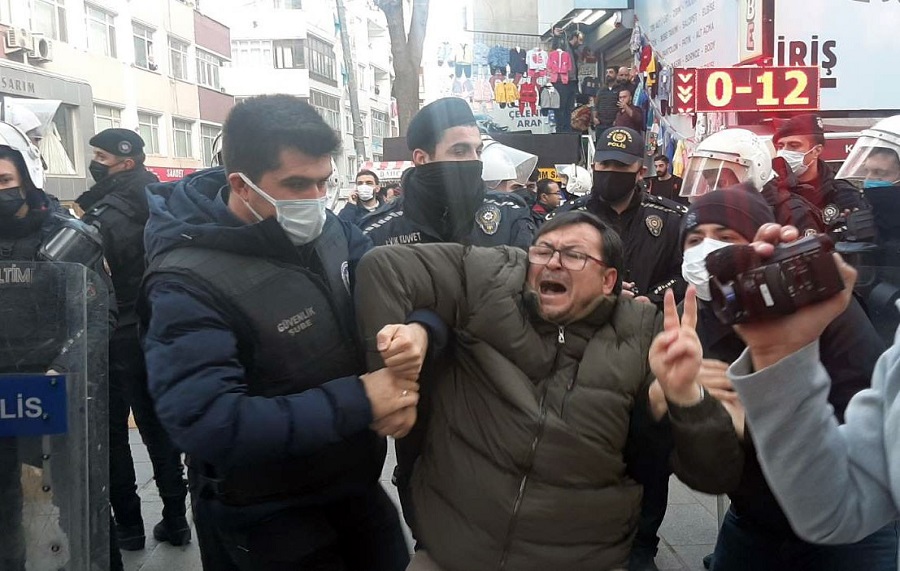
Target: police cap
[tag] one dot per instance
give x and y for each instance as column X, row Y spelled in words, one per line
column 119, row 142
column 620, row 144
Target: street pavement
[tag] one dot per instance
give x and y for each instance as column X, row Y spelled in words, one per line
column 688, row 532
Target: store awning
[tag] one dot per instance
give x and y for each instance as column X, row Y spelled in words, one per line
column 388, row 170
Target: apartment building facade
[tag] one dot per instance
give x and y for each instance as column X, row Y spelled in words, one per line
column 86, row 65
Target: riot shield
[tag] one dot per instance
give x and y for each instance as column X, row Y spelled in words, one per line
column 54, row 507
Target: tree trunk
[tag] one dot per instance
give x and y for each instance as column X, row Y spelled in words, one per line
column 407, row 52
column 359, row 142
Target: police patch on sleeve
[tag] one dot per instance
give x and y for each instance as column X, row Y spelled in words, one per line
column 830, row 213
column 488, row 219
column 654, row 224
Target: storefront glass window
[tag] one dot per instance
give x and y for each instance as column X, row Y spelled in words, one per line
column 143, row 48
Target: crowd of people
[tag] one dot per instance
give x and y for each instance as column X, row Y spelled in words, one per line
column 545, row 353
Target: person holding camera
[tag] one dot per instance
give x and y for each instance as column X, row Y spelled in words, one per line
column 755, row 529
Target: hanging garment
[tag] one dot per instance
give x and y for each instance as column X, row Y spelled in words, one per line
column 463, row 54
column 480, row 54
column 537, row 59
column 517, row 62
column 528, row 96
column 559, row 64
column 445, row 54
column 498, row 58
column 549, row 98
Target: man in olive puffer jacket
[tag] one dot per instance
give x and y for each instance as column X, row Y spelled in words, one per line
column 545, row 406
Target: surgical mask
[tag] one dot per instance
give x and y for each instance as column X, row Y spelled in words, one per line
column 693, row 266
column 301, row 219
column 794, row 159
column 366, row 192
column 613, row 186
column 11, row 201
column 872, row 183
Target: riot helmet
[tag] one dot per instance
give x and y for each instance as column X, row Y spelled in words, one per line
column 728, row 158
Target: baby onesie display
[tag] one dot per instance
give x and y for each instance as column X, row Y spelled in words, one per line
column 528, row 96
column 536, row 59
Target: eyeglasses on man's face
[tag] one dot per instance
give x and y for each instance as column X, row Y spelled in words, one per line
column 569, row 259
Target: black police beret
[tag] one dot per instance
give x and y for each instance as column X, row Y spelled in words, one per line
column 119, row 142
column 429, row 124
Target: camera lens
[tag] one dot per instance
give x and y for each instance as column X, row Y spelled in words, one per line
column 724, row 301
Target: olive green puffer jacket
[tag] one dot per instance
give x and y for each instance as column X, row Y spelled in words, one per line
column 524, row 465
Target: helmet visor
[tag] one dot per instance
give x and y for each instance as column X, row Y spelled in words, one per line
column 872, row 159
column 706, row 174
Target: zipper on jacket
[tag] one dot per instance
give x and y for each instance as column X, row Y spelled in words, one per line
column 523, row 484
column 565, row 399
column 562, row 335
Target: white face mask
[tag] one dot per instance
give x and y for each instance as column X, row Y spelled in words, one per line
column 365, row 192
column 693, row 267
column 301, row 219
column 795, row 160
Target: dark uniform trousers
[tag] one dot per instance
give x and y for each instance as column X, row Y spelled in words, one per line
column 128, row 389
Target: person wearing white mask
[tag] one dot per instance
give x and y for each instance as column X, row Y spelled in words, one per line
column 367, row 199
column 253, row 358
column 755, row 534
column 800, row 142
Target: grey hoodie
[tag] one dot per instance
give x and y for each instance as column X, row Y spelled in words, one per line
column 837, row 484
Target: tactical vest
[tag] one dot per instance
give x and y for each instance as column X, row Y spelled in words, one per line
column 115, row 216
column 295, row 332
column 33, row 308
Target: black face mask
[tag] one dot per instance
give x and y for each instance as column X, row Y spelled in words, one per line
column 11, row 200
column 99, row 171
column 885, row 203
column 613, row 187
column 445, row 195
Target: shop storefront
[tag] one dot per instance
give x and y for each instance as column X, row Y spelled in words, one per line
column 64, row 107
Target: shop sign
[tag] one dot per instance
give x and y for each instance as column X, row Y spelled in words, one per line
column 757, row 89
column 17, row 86
column 515, row 121
column 685, row 91
column 851, row 41
column 169, row 174
column 750, row 39
column 691, row 33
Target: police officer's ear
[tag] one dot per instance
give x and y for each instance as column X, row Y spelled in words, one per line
column 129, row 163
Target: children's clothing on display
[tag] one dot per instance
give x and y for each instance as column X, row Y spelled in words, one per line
column 480, row 54
column 517, row 64
column 559, row 64
column 549, row 98
column 445, row 54
column 498, row 59
column 506, row 93
column 528, row 96
column 463, row 54
column 537, row 59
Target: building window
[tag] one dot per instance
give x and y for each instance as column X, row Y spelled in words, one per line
column 178, row 59
column 183, row 131
column 289, row 54
column 49, row 18
column 379, row 124
column 143, row 47
column 322, row 62
column 106, row 117
column 329, row 108
column 251, row 53
column 208, row 134
column 101, row 31
column 148, row 128
column 208, row 69
column 288, row 5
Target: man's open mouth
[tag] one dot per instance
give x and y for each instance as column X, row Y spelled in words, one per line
column 552, row 287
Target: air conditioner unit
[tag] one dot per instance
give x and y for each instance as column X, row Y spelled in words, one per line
column 17, row 39
column 41, row 48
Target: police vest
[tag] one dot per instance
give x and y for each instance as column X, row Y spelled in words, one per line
column 295, row 332
column 33, row 324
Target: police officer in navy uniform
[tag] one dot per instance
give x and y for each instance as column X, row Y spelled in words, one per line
column 35, row 228
column 117, row 206
column 444, row 198
column 253, row 356
column 649, row 226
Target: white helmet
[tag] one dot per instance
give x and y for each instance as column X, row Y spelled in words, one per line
column 728, row 158
column 15, row 139
column 500, row 163
column 579, row 178
column 23, row 118
column 876, row 155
